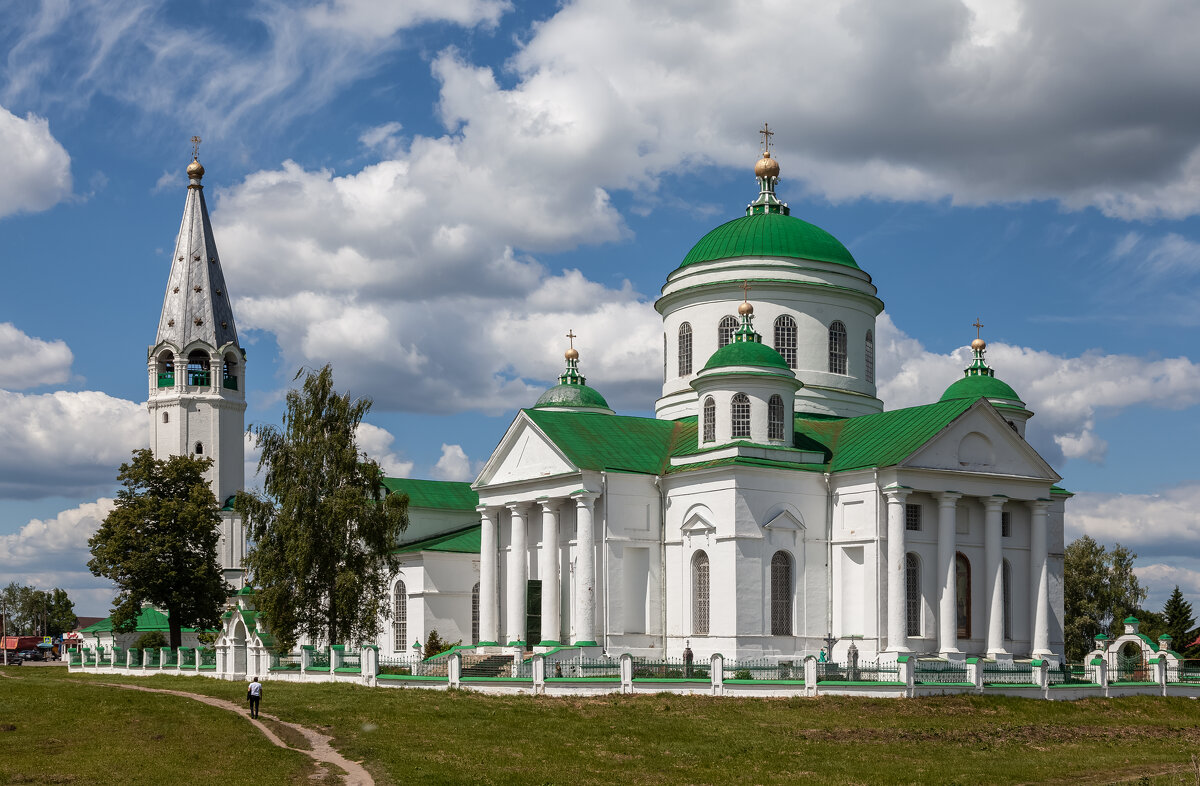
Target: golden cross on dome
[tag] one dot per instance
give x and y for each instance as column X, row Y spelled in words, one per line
column 767, row 133
column 977, row 325
column 745, row 287
column 195, row 148
column 571, row 337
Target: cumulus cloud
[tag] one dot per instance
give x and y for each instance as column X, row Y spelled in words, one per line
column 27, row 362
column 1068, row 394
column 37, row 169
column 377, row 442
column 453, row 464
column 65, row 443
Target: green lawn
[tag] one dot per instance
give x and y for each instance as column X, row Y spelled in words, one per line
column 407, row 736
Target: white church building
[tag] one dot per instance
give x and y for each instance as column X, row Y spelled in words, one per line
column 770, row 509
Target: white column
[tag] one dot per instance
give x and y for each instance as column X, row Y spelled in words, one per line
column 1039, row 571
column 992, row 556
column 897, row 628
column 518, row 574
column 585, row 571
column 489, row 575
column 548, row 571
column 947, row 584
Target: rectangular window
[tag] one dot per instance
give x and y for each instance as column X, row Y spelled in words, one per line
column 1006, row 524
column 912, row 518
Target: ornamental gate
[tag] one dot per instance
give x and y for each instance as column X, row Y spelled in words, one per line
column 1131, row 665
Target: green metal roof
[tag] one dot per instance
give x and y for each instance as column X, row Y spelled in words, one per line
column 595, row 441
column 747, row 353
column 769, row 235
column 149, row 620
column 460, row 541
column 439, row 494
column 569, row 395
column 981, row 386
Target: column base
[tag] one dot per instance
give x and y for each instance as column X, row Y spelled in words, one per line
column 956, row 656
column 488, row 644
column 520, row 644
column 549, row 643
column 1044, row 655
column 1000, row 656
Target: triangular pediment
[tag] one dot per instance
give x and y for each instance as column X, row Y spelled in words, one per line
column 698, row 520
column 525, row 453
column 980, row 440
column 785, row 520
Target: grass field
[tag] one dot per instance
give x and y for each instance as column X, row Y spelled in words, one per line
column 407, row 736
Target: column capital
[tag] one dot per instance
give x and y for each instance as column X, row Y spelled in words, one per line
column 549, row 504
column 1039, row 505
column 518, row 507
column 948, row 498
column 994, row 502
column 484, row 510
column 585, row 498
column 897, row 493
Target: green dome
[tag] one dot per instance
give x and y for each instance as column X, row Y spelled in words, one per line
column 769, row 235
column 981, row 386
column 746, row 353
column 571, row 396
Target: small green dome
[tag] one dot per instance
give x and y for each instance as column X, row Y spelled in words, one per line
column 769, row 235
column 746, row 353
column 981, row 386
column 571, row 396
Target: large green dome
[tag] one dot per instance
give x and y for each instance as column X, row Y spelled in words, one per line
column 981, row 386
column 572, row 396
column 746, row 353
column 769, row 235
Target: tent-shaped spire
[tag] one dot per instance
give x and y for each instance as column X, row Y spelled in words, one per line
column 196, row 306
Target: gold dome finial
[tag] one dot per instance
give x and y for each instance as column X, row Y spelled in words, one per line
column 978, row 343
column 572, row 353
column 195, row 169
column 745, row 308
column 766, row 166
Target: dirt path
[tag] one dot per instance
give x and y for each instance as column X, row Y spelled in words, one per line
column 322, row 751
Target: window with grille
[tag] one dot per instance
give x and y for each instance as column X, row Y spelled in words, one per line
column 781, row 594
column 912, row 517
column 475, row 613
column 869, row 359
column 400, row 619
column 962, row 594
column 1005, row 524
column 912, row 594
column 710, row 420
column 685, row 349
column 1006, row 588
column 725, row 330
column 739, row 415
column 775, row 417
column 785, row 339
column 700, row 594
column 837, row 348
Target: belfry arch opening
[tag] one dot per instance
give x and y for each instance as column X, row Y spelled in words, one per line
column 199, row 369
column 229, row 372
column 165, row 367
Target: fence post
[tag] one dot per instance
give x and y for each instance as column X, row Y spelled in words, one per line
column 1160, row 673
column 335, row 658
column 1101, row 667
column 306, row 651
column 904, row 666
column 626, row 673
column 370, row 665
column 810, row 675
column 975, row 673
column 716, row 673
column 539, row 674
column 454, row 670
column 1041, row 675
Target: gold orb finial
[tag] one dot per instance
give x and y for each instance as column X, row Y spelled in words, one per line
column 195, row 169
column 572, row 353
column 766, row 166
column 745, row 308
column 978, row 344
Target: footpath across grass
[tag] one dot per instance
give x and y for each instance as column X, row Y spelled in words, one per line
column 409, row 736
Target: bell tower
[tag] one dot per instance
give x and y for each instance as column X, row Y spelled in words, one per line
column 196, row 369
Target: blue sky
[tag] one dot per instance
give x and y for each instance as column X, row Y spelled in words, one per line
column 430, row 196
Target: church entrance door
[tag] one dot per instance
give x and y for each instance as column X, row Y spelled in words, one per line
column 533, row 613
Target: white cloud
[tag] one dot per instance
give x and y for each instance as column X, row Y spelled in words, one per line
column 37, row 169
column 377, row 444
column 27, row 362
column 453, row 464
column 65, row 443
column 1067, row 394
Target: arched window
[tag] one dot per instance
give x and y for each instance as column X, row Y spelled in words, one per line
column 775, row 417
column 870, row 357
column 700, row 594
column 400, row 618
column 725, row 330
column 198, row 368
column 475, row 613
column 781, row 594
column 199, row 449
column 1006, row 591
column 166, row 417
column 166, row 370
column 685, row 349
column 962, row 594
column 710, row 420
column 912, row 593
column 229, row 373
column 837, row 348
column 739, row 416
column 785, row 339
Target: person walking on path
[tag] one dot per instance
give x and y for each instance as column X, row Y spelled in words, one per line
column 254, row 694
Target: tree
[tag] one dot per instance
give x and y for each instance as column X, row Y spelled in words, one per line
column 34, row 612
column 159, row 544
column 323, row 535
column 1100, row 589
column 1178, row 620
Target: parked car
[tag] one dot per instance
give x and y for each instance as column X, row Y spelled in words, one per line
column 31, row 655
column 14, row 658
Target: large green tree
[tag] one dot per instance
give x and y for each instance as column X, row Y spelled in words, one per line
column 323, row 533
column 159, row 544
column 32, row 612
column 1099, row 590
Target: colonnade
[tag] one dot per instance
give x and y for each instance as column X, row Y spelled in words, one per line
column 947, row 548
column 583, row 609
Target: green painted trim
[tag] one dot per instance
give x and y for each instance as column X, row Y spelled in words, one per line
column 338, row 647
column 317, row 668
column 347, row 670
column 903, row 658
column 1080, row 685
column 487, row 644
column 583, row 679
column 763, row 682
column 704, row 680
column 857, row 293
column 883, row 684
column 284, row 668
column 952, row 684
column 1096, row 662
column 516, row 644
column 1128, row 684
column 1011, row 685
column 412, row 677
column 972, row 660
column 548, row 643
column 496, row 679
column 585, row 644
column 1037, row 662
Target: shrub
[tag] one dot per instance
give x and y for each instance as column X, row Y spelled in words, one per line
column 152, row 640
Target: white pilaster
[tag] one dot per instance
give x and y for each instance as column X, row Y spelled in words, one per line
column 548, row 571
column 897, row 629
column 585, row 570
column 1039, row 570
column 947, row 585
column 518, row 574
column 489, row 573
column 992, row 556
